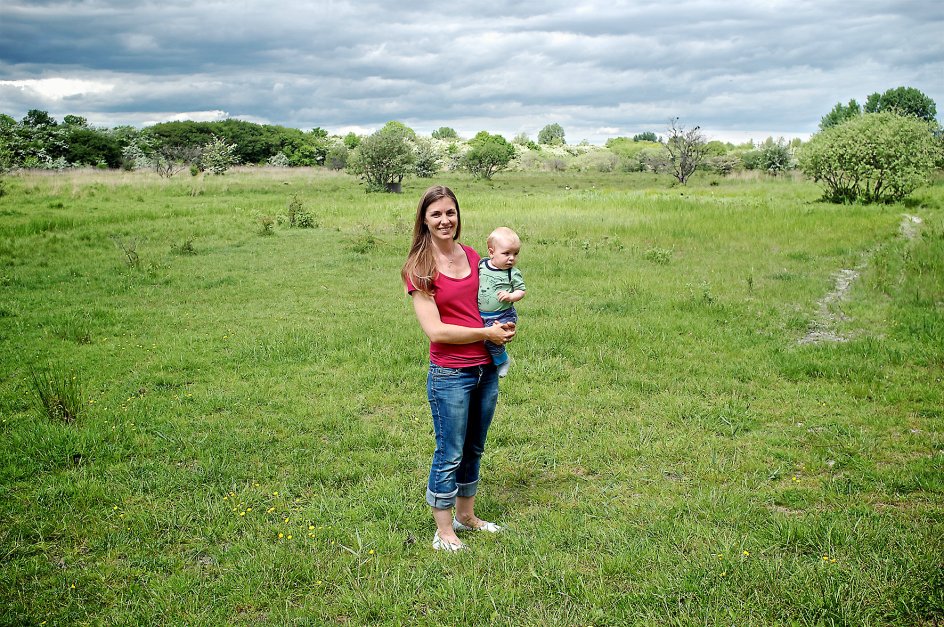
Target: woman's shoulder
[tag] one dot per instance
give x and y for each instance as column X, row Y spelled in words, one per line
column 471, row 254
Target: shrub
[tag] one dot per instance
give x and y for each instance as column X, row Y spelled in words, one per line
column 278, row 160
column 338, row 157
column 129, row 247
column 185, row 247
column 552, row 135
column 874, row 157
column 266, row 225
column 488, row 154
column 218, row 156
column 383, row 158
column 427, row 159
column 723, row 164
column 661, row 256
column 298, row 217
column 775, row 156
column 445, row 132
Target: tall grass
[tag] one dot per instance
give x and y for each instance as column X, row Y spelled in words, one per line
column 255, row 436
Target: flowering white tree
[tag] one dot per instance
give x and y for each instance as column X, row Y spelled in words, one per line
column 218, row 156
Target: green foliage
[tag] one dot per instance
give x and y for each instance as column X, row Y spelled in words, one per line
column 278, row 160
column 522, row 139
column 57, row 394
column 488, row 155
column 428, row 159
column 298, row 216
column 875, row 157
column 723, row 164
column 129, row 249
column 218, row 156
column 552, row 135
column 661, row 256
column 268, row 384
column 903, row 101
column 646, row 136
column 445, row 132
column 351, row 140
column 775, row 156
column 338, row 156
column 266, row 224
column 385, row 157
column 840, row 113
column 638, row 156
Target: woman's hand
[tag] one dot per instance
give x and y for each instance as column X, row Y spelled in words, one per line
column 501, row 332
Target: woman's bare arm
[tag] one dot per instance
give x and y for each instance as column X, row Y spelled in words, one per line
column 438, row 331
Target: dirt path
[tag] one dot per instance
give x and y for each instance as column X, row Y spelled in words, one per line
column 828, row 314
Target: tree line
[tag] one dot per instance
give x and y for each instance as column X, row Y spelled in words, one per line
column 835, row 156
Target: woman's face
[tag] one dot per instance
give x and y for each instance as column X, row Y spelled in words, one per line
column 442, row 219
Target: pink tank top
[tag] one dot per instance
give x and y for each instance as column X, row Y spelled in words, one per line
column 457, row 301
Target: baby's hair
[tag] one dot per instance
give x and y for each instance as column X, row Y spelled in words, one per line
column 504, row 234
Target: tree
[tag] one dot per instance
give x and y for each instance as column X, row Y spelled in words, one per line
column 169, row 160
column 75, row 120
column 338, row 156
column 875, row 157
column 840, row 114
column 38, row 119
column 383, row 158
column 904, row 101
column 351, row 140
column 488, row 154
column 647, row 136
column 87, row 146
column 218, row 156
column 775, row 156
column 552, row 135
column 686, row 150
column 445, row 132
column 427, row 159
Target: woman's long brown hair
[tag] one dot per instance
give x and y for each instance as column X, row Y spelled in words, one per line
column 420, row 266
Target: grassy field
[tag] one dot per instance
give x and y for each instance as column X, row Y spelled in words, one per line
column 245, row 437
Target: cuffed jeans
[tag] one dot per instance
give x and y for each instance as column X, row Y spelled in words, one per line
column 463, row 402
column 497, row 351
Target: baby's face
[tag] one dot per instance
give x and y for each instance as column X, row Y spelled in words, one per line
column 504, row 255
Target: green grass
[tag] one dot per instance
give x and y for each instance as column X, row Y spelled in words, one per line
column 665, row 451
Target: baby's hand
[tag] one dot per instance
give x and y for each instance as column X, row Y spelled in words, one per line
column 504, row 297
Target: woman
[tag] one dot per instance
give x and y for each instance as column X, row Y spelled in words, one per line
column 441, row 276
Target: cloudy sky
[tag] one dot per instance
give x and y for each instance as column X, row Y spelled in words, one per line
column 600, row 68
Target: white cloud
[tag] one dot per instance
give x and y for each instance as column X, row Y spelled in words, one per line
column 599, row 68
column 195, row 116
column 59, row 88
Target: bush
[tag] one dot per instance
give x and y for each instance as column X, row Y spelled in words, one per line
column 488, row 154
column 338, row 157
column 775, row 156
column 278, row 160
column 552, row 135
column 218, row 156
column 428, row 159
column 723, row 164
column 383, row 158
column 298, row 216
column 875, row 157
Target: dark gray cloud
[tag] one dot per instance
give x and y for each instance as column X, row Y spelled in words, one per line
column 599, row 68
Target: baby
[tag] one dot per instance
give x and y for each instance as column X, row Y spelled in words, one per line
column 500, row 286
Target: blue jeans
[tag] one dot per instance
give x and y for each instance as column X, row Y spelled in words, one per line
column 498, row 353
column 463, row 402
